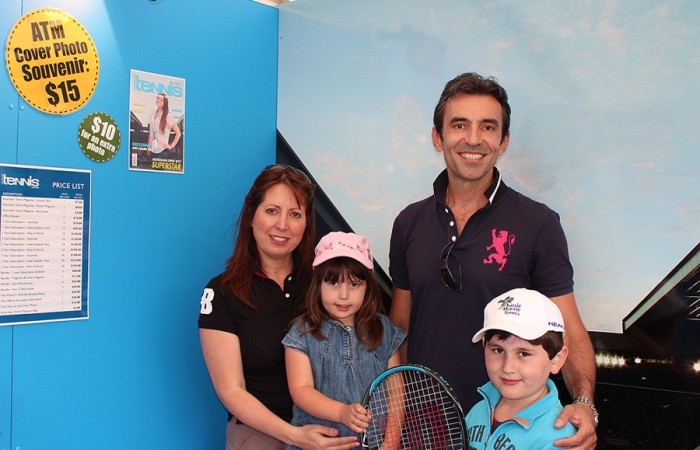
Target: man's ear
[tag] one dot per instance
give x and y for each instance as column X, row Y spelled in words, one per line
column 437, row 140
column 559, row 360
column 504, row 144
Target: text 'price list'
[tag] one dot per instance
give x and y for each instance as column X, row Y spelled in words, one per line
column 41, row 255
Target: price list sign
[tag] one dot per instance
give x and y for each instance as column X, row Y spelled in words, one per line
column 44, row 237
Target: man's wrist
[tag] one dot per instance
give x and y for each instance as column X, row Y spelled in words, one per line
column 588, row 402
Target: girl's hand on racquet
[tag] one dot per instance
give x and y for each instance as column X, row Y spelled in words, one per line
column 355, row 417
column 413, row 407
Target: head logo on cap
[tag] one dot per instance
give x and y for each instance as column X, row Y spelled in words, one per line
column 522, row 312
column 506, row 305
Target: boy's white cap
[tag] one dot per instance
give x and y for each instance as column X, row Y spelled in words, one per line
column 522, row 312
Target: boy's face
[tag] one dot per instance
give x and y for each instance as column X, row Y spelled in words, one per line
column 519, row 370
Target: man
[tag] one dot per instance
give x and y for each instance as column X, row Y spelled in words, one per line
column 473, row 239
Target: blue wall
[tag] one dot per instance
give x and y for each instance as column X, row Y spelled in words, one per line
column 132, row 375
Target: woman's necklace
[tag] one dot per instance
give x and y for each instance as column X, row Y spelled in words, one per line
column 156, row 124
column 278, row 275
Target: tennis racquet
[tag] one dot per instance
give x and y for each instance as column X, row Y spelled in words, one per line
column 413, row 407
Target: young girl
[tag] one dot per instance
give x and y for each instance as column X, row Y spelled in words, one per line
column 342, row 341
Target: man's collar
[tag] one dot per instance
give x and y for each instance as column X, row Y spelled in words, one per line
column 492, row 193
column 493, row 189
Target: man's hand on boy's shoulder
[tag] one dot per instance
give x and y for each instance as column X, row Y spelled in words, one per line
column 581, row 416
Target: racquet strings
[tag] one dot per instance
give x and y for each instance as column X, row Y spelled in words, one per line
column 412, row 410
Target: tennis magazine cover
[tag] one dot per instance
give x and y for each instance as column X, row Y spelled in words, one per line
column 156, row 123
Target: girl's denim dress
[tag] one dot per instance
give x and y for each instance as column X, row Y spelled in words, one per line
column 342, row 368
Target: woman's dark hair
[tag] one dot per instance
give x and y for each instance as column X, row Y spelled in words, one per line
column 368, row 326
column 240, row 267
column 551, row 341
column 472, row 84
column 164, row 113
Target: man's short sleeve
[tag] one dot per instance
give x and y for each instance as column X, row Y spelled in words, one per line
column 397, row 256
column 553, row 274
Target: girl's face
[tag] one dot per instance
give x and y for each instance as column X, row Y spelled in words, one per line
column 159, row 101
column 342, row 299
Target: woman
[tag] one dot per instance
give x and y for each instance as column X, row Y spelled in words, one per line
column 246, row 311
column 161, row 124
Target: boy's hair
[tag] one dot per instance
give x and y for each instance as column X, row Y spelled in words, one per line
column 551, row 341
column 368, row 326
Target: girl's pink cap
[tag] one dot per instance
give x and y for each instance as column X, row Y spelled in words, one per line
column 337, row 243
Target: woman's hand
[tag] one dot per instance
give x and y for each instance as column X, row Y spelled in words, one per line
column 355, row 417
column 318, row 437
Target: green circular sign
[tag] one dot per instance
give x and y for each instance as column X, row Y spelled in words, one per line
column 99, row 137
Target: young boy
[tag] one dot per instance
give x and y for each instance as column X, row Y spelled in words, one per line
column 523, row 338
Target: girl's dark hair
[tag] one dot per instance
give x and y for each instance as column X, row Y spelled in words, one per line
column 551, row 341
column 241, row 264
column 368, row 326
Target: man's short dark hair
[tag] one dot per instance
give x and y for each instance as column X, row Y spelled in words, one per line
column 472, row 84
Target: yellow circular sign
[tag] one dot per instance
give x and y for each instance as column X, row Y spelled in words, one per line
column 52, row 61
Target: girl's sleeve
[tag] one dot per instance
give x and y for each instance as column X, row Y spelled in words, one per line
column 295, row 340
column 395, row 335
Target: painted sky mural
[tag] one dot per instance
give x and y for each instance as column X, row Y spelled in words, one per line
column 606, row 107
